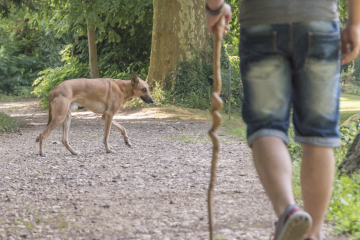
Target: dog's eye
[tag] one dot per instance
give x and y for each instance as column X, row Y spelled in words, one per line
column 144, row 89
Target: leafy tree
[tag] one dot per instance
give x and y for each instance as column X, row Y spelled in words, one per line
column 123, row 44
column 24, row 51
column 7, row 5
column 343, row 10
column 96, row 19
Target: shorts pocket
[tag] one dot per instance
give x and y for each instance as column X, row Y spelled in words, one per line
column 258, row 43
column 323, row 46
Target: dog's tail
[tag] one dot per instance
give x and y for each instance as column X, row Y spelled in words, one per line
column 50, row 114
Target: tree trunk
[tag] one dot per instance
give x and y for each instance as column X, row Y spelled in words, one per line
column 93, row 62
column 179, row 26
column 351, row 162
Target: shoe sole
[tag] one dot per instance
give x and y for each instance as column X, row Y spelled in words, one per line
column 296, row 226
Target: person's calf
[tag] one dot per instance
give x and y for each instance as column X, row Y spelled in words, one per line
column 273, row 164
column 317, row 175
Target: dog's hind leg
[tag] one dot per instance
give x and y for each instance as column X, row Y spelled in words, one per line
column 66, row 127
column 123, row 132
column 58, row 113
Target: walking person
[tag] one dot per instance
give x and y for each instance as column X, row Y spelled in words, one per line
column 290, row 57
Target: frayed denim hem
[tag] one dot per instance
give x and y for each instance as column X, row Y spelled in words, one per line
column 267, row 132
column 319, row 141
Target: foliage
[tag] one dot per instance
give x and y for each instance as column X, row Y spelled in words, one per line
column 231, row 40
column 123, row 30
column 6, row 6
column 348, row 133
column 18, row 62
column 49, row 78
column 236, row 84
column 343, row 10
column 351, row 74
column 347, row 74
column 8, row 124
column 356, row 72
column 78, row 15
column 24, row 51
column 350, row 77
column 191, row 82
column 160, row 96
column 235, row 126
column 192, row 79
column 344, row 208
column 293, row 147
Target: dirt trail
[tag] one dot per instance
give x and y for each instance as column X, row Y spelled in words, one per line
column 157, row 190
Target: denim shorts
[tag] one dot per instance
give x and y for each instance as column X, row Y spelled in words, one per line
column 292, row 66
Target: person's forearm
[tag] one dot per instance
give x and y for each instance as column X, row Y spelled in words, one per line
column 215, row 4
column 353, row 12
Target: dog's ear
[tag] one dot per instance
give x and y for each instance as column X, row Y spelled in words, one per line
column 134, row 79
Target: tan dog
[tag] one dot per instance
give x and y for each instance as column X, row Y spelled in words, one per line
column 102, row 96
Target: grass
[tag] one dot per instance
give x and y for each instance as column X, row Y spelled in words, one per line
column 349, row 106
column 14, row 98
column 234, row 126
column 62, row 224
column 29, row 225
column 349, row 102
column 9, row 124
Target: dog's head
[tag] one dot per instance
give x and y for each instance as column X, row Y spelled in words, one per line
column 141, row 88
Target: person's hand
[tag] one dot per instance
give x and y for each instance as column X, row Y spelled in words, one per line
column 212, row 20
column 350, row 43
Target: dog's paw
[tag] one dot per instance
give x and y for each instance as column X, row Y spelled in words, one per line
column 128, row 144
column 110, row 151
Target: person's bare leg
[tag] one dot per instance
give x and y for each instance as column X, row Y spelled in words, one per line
column 317, row 176
column 273, row 164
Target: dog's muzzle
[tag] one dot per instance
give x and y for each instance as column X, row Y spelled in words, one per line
column 147, row 100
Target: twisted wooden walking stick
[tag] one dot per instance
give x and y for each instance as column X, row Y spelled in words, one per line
column 217, row 106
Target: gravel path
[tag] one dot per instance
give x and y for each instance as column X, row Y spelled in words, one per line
column 157, row 190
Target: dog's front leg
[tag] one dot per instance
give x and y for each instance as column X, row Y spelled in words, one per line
column 108, row 119
column 123, row 132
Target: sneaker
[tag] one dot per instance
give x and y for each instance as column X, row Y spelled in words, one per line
column 293, row 224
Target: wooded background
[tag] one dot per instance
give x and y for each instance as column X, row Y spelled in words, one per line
column 43, row 43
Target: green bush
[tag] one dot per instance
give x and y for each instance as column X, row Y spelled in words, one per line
column 348, row 134
column 9, row 124
column 344, row 208
column 50, row 78
column 24, row 52
column 236, row 84
column 191, row 82
column 193, row 79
